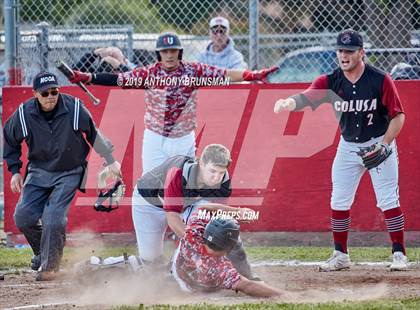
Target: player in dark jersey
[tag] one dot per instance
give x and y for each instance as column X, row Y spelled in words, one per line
column 370, row 113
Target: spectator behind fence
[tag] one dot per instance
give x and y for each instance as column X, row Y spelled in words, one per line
column 105, row 60
column 221, row 52
column 407, row 70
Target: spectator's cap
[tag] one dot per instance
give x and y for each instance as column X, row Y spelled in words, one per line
column 44, row 80
column 349, row 39
column 219, row 21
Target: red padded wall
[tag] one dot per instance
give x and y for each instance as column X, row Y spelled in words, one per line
column 282, row 163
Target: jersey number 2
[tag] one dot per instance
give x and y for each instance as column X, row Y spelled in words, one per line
column 370, row 117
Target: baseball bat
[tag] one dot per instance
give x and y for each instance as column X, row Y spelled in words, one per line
column 68, row 73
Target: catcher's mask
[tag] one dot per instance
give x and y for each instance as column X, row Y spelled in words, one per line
column 112, row 193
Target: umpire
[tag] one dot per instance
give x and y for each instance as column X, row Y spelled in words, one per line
column 57, row 129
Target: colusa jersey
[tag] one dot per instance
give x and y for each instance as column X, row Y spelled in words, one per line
column 364, row 108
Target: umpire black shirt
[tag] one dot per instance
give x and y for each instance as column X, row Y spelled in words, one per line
column 53, row 145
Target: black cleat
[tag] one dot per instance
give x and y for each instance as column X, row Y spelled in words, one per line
column 36, row 262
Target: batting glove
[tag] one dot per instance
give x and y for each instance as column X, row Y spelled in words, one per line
column 260, row 75
column 79, row 76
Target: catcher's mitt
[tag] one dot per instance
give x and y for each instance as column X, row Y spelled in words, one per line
column 374, row 155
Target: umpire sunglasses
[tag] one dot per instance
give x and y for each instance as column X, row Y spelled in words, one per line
column 45, row 94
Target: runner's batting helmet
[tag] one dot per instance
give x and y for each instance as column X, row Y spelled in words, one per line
column 168, row 40
column 221, row 234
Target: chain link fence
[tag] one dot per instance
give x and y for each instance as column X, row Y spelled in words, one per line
column 266, row 32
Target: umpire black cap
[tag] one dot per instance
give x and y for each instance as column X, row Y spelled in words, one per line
column 349, row 39
column 44, row 80
column 168, row 40
column 221, row 234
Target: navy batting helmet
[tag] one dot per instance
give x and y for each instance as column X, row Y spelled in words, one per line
column 168, row 40
column 221, row 234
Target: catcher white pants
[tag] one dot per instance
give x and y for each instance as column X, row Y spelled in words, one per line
column 157, row 148
column 150, row 225
column 348, row 169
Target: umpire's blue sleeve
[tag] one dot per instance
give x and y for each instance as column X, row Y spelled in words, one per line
column 12, row 143
column 96, row 139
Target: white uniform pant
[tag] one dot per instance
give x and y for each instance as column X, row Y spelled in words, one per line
column 348, row 169
column 157, row 148
column 150, row 225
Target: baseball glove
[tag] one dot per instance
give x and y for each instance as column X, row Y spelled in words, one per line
column 374, row 155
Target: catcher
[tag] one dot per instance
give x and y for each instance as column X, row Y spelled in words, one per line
column 59, row 132
column 169, row 194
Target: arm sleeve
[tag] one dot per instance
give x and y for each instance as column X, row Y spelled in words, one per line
column 316, row 94
column 99, row 142
column 105, row 79
column 13, row 137
column 390, row 97
column 173, row 196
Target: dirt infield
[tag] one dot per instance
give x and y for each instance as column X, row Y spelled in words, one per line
column 306, row 283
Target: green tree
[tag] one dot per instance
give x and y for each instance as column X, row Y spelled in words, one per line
column 183, row 14
column 52, row 11
column 140, row 14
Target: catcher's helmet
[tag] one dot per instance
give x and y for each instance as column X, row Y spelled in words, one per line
column 221, row 234
column 168, row 40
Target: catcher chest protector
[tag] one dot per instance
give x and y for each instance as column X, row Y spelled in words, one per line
column 192, row 193
column 151, row 185
column 166, row 41
column 221, row 234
